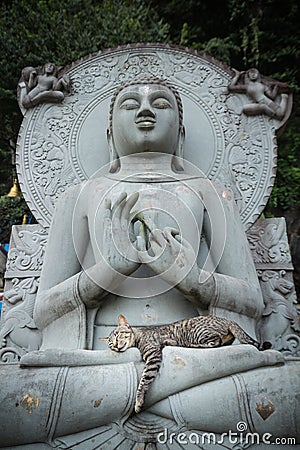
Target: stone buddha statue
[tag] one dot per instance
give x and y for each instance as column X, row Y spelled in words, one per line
column 98, row 253
column 150, row 237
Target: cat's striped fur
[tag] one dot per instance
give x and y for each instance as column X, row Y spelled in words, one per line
column 197, row 332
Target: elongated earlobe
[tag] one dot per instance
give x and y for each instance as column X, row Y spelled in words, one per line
column 178, row 162
column 114, row 158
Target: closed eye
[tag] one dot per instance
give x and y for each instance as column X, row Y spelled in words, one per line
column 130, row 103
column 161, row 103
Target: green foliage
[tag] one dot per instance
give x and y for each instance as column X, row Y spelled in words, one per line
column 6, row 178
column 185, row 34
column 246, row 17
column 33, row 32
column 205, row 19
column 12, row 210
column 286, row 191
column 220, row 48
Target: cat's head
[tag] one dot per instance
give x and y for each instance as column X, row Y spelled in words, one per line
column 122, row 337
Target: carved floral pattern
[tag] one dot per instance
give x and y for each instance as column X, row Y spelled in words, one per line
column 18, row 332
column 9, row 355
column 288, row 344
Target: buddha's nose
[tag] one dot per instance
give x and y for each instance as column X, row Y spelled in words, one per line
column 145, row 110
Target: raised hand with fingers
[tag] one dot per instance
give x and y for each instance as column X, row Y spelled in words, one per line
column 119, row 249
column 169, row 255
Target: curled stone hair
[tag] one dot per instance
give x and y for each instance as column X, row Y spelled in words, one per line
column 147, row 79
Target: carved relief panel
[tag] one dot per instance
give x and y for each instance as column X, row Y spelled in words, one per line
column 271, row 255
column 18, row 332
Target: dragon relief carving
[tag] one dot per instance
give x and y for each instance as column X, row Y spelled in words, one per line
column 280, row 323
column 94, row 76
column 268, row 243
column 18, row 327
column 27, row 252
column 135, row 65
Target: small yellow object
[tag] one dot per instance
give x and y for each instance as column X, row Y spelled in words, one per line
column 14, row 190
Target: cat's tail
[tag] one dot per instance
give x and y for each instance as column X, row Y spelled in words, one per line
column 244, row 338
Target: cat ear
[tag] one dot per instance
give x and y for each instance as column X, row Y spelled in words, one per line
column 122, row 321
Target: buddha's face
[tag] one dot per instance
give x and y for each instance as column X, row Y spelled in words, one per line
column 145, row 119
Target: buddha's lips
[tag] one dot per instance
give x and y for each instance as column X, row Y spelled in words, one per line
column 146, row 122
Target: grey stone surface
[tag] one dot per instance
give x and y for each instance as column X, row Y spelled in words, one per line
column 189, row 196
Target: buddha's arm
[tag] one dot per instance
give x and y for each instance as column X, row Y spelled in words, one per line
column 67, row 283
column 227, row 279
column 215, row 290
column 64, row 286
column 230, row 281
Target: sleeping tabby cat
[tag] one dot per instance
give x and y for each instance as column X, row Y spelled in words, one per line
column 197, row 332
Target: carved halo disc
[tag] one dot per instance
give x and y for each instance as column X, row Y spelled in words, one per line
column 63, row 144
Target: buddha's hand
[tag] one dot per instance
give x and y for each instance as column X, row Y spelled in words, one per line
column 119, row 249
column 170, row 256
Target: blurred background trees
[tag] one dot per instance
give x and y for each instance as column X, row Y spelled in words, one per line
column 241, row 33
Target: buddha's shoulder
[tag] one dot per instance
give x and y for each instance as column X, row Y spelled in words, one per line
column 86, row 188
column 208, row 186
column 213, row 194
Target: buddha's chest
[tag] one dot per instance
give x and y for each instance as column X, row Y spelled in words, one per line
column 176, row 204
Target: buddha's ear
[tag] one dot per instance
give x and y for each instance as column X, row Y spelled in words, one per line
column 122, row 321
column 178, row 155
column 113, row 156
